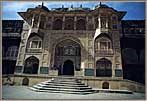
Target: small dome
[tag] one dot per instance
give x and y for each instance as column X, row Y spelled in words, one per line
column 43, row 7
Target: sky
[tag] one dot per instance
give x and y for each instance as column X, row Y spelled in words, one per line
column 135, row 10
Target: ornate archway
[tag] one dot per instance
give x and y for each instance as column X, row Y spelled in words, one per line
column 103, row 68
column 67, row 50
column 31, row 65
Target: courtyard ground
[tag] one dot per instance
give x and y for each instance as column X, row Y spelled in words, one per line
column 22, row 92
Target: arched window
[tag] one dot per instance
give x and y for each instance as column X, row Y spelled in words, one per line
column 103, row 44
column 103, row 68
column 69, row 24
column 57, row 24
column 31, row 65
column 81, row 24
column 35, row 42
column 12, row 51
column 129, row 56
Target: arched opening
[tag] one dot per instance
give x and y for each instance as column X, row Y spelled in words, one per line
column 105, row 85
column 67, row 50
column 103, row 68
column 69, row 24
column 103, row 44
column 68, row 68
column 81, row 24
column 57, row 24
column 31, row 65
column 25, row 81
column 34, row 42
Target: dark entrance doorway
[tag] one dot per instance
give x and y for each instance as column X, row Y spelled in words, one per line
column 68, row 68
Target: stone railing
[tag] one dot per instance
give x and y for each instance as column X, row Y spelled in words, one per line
column 104, row 52
column 34, row 50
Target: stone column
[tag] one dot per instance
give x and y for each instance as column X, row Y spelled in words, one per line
column 75, row 21
column 99, row 21
column 33, row 20
column 106, row 22
column 39, row 21
column 63, row 22
column 86, row 22
column 52, row 22
column 93, row 22
column 46, row 21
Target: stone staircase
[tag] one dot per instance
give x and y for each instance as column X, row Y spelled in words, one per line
column 63, row 85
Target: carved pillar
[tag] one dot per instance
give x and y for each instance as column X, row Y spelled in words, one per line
column 86, row 22
column 75, row 21
column 46, row 21
column 106, row 22
column 39, row 21
column 52, row 21
column 93, row 22
column 63, row 22
column 33, row 20
column 99, row 22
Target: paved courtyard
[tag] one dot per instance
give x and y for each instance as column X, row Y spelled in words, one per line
column 22, row 92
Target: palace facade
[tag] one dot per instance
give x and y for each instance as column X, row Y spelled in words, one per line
column 78, row 42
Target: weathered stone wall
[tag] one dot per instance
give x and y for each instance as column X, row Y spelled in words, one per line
column 91, row 81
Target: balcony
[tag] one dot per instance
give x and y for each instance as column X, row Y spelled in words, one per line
column 103, row 52
column 31, row 50
column 34, row 30
column 71, row 31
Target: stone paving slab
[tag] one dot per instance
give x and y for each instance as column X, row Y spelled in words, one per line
column 23, row 92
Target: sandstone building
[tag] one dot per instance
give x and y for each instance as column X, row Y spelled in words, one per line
column 76, row 42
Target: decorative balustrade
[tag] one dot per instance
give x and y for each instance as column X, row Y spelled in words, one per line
column 34, row 50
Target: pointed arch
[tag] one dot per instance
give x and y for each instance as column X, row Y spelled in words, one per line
column 81, row 24
column 57, row 25
column 104, row 67
column 31, row 65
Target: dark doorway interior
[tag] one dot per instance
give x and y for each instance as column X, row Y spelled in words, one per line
column 25, row 81
column 105, row 85
column 68, row 68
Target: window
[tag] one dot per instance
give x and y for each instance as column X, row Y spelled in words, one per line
column 81, row 24
column 105, row 45
column 69, row 24
column 114, row 26
column 57, row 24
column 12, row 51
column 35, row 43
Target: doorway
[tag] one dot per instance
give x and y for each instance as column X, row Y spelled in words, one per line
column 68, row 68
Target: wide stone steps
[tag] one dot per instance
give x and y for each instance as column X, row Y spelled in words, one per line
column 63, row 85
column 62, row 91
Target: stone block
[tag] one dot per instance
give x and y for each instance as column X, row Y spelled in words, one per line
column 53, row 72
